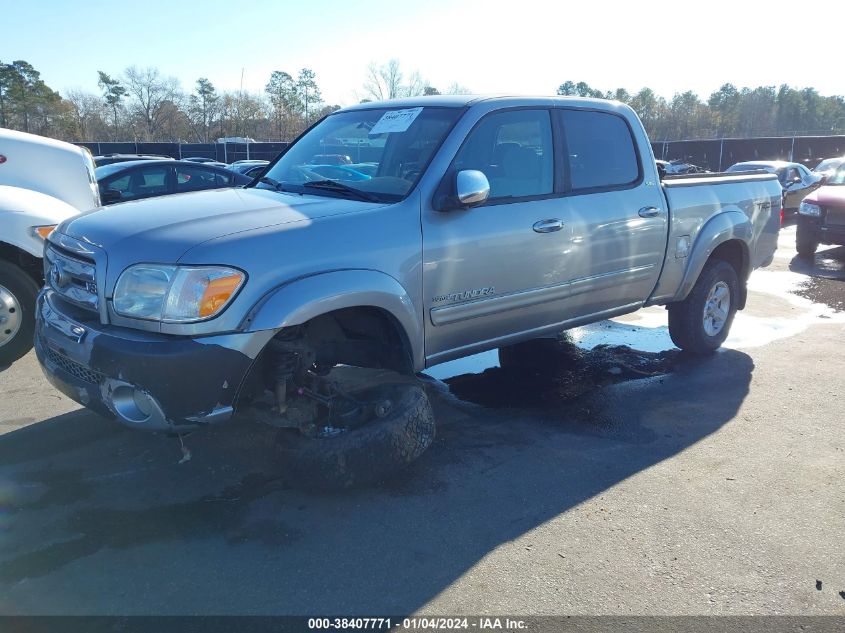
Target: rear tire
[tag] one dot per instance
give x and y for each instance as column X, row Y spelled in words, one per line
column 18, row 292
column 366, row 454
column 701, row 322
column 806, row 242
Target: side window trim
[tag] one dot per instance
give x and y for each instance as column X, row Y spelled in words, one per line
column 558, row 113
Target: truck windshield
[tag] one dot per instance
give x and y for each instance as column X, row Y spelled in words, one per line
column 380, row 152
column 838, row 178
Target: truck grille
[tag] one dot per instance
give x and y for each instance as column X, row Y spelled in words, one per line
column 834, row 216
column 73, row 368
column 72, row 276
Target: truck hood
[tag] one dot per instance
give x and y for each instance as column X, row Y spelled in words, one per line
column 163, row 229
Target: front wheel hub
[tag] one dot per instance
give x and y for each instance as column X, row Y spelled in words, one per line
column 10, row 315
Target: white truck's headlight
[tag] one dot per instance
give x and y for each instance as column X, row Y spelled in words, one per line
column 808, row 208
column 179, row 294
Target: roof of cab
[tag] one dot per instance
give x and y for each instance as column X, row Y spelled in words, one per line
column 462, row 101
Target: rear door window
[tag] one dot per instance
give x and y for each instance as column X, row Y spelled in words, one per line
column 142, row 182
column 600, row 151
column 197, row 177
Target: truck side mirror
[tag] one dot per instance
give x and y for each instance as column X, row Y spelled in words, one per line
column 471, row 187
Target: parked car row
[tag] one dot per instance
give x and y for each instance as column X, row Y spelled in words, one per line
column 817, row 197
column 134, row 180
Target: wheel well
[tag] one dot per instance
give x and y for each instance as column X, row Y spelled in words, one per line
column 364, row 336
column 361, row 336
column 31, row 265
column 735, row 252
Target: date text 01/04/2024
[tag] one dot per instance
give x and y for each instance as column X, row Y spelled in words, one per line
column 419, row 623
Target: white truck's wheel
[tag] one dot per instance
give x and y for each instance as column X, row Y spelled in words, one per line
column 17, row 312
column 701, row 322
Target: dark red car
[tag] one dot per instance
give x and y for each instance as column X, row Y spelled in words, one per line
column 821, row 216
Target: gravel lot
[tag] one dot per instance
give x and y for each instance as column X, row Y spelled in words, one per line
column 715, row 488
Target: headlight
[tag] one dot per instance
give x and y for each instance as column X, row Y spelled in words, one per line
column 179, row 294
column 808, row 208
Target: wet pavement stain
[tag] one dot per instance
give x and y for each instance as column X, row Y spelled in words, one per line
column 826, row 277
column 830, row 292
column 61, row 487
column 545, row 374
column 223, row 515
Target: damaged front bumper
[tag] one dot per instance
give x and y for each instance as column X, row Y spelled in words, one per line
column 147, row 381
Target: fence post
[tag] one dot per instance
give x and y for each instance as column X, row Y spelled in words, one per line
column 247, row 149
column 792, row 150
column 721, row 149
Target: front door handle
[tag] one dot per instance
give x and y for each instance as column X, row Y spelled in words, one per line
column 649, row 212
column 548, row 226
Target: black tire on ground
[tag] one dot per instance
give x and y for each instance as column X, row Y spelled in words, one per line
column 25, row 290
column 686, row 318
column 806, row 242
column 367, row 454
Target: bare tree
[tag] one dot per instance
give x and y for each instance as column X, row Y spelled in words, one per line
column 386, row 81
column 87, row 114
column 149, row 93
column 457, row 89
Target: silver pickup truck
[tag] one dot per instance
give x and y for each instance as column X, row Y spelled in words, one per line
column 442, row 227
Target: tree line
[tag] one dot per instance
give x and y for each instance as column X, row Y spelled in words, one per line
column 729, row 112
column 142, row 104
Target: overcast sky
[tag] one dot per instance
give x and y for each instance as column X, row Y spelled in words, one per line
column 517, row 47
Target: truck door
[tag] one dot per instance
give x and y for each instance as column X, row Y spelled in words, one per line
column 574, row 226
column 499, row 268
column 615, row 212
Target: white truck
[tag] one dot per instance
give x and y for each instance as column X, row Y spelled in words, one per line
column 42, row 182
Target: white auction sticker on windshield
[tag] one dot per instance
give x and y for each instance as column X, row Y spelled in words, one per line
column 395, row 121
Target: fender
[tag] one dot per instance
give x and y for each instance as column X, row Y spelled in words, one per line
column 21, row 209
column 303, row 299
column 728, row 225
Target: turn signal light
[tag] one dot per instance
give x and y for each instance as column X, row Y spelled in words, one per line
column 44, row 231
column 217, row 293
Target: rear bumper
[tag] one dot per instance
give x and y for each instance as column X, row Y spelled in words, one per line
column 146, row 381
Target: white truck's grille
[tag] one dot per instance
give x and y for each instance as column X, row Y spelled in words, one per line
column 73, row 277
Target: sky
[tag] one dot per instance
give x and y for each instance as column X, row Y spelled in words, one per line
column 516, row 47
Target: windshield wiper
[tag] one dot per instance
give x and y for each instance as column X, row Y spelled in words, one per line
column 273, row 183
column 334, row 185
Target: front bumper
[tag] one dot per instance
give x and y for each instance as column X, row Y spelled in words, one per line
column 148, row 381
column 824, row 233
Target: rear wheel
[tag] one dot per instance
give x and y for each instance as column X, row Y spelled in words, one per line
column 17, row 312
column 701, row 322
column 806, row 242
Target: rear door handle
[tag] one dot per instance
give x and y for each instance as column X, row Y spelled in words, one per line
column 649, row 212
column 548, row 226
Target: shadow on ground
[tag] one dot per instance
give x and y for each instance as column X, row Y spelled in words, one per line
column 97, row 519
